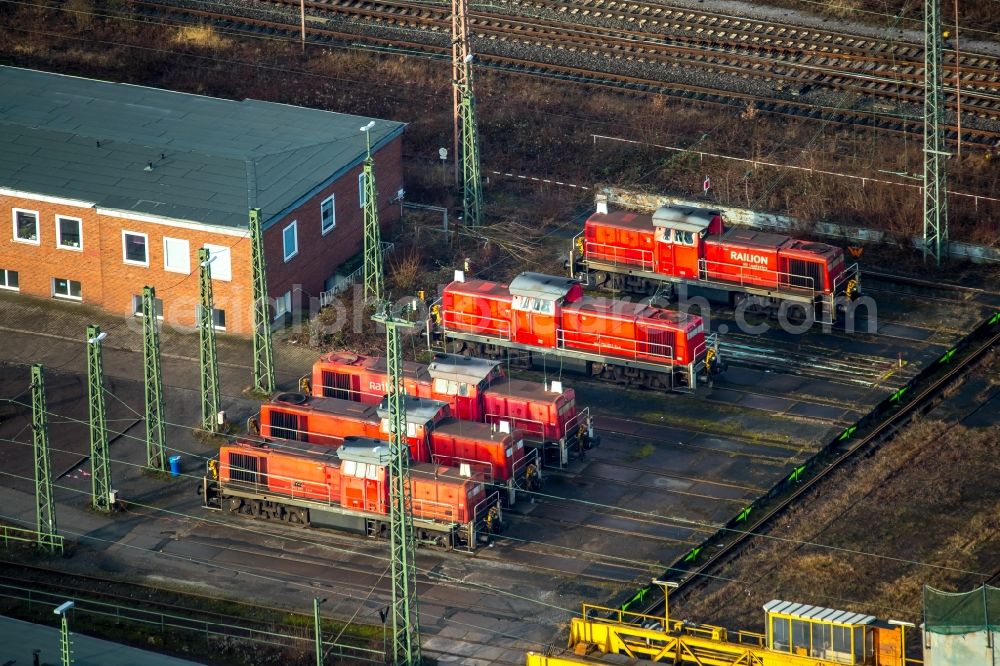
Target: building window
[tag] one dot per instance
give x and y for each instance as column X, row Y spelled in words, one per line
column 218, row 317
column 222, row 267
column 361, row 189
column 328, row 215
column 137, row 306
column 290, row 238
column 134, row 248
column 69, row 232
column 177, row 255
column 66, row 289
column 8, row 280
column 26, row 226
column 282, row 305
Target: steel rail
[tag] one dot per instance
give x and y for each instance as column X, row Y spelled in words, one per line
column 923, row 401
column 734, row 100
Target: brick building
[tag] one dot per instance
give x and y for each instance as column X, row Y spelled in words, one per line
column 109, row 187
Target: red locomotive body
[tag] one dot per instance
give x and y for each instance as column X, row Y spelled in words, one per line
column 543, row 313
column 432, row 435
column 347, row 488
column 328, row 421
column 656, row 253
column 476, row 389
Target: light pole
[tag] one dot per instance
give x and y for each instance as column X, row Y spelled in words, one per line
column 64, row 646
column 667, row 585
column 319, row 630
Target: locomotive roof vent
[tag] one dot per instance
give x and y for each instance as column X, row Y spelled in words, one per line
column 685, row 219
column 546, row 287
column 292, row 398
column 816, row 247
column 345, row 357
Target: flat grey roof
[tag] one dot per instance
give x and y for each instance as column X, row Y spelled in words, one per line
column 212, row 159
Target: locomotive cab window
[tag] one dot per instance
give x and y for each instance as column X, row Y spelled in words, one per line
column 348, row 468
column 441, row 385
column 684, row 237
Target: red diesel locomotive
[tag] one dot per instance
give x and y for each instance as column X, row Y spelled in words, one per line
column 432, row 434
column 476, row 389
column 655, row 254
column 631, row 343
column 347, row 488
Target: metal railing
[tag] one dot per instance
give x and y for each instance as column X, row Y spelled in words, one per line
column 467, row 320
column 752, row 276
column 51, row 542
column 326, row 297
column 119, row 613
column 618, row 256
column 601, row 343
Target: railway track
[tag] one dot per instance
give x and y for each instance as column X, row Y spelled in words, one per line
column 789, row 67
column 927, row 395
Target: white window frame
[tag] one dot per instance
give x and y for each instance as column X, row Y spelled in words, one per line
column 361, row 190
column 294, row 226
column 197, row 317
column 125, row 259
column 333, row 214
column 6, row 278
column 224, row 257
column 67, row 297
column 59, row 243
column 187, row 255
column 38, row 226
column 137, row 305
column 282, row 305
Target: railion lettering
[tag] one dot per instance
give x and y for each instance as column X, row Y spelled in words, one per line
column 377, row 387
column 748, row 258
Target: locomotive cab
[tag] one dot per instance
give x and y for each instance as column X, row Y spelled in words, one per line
column 536, row 307
column 679, row 235
column 461, row 381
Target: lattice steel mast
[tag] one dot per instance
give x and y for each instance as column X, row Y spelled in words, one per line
column 155, row 458
column 935, row 156
column 472, row 177
column 206, row 335
column 460, row 50
column 100, row 462
column 405, row 623
column 263, row 355
column 373, row 234
column 45, row 507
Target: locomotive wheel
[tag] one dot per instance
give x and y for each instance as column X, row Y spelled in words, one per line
column 233, row 504
column 602, row 279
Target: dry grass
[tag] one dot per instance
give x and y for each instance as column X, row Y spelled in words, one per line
column 923, row 509
column 199, row 36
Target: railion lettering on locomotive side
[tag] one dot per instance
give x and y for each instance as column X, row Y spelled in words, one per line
column 747, row 258
column 377, row 387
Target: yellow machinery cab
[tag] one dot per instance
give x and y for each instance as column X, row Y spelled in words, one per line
column 834, row 636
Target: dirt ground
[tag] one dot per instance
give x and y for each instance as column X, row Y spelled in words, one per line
column 923, row 509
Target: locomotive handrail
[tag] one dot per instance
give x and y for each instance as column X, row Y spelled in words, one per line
column 601, row 255
column 483, row 506
column 573, row 424
column 519, row 467
column 474, row 320
column 748, row 274
column 850, row 272
column 263, row 486
column 600, row 339
column 485, row 466
column 518, row 422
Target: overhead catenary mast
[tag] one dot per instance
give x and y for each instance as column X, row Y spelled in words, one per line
column 405, row 621
column 155, row 458
column 206, row 338
column 373, row 235
column 935, row 155
column 263, row 354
